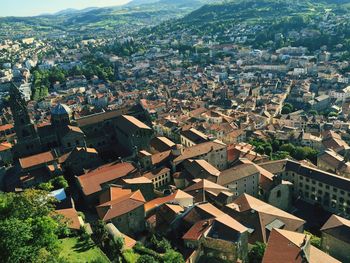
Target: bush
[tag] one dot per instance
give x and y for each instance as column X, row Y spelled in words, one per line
column 146, row 259
column 161, row 246
column 46, row 186
column 60, row 182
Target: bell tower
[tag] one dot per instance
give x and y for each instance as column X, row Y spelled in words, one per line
column 28, row 141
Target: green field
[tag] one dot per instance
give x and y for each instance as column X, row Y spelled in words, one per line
column 76, row 251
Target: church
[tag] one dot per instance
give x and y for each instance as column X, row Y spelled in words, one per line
column 60, row 134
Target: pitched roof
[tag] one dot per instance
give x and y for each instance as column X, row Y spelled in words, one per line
column 236, row 173
column 130, row 124
column 197, row 230
column 119, row 201
column 267, row 216
column 288, row 246
column 199, row 149
column 178, row 194
column 307, row 171
column 204, row 184
column 155, row 173
column 91, row 181
column 99, row 117
column 338, row 227
column 37, row 159
column 72, row 216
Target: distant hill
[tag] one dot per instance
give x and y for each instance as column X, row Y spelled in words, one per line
column 122, row 19
column 272, row 17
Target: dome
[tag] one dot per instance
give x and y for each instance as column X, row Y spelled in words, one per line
column 61, row 109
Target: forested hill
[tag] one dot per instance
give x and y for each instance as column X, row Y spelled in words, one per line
column 324, row 20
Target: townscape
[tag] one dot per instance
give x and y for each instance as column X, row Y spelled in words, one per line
column 174, row 139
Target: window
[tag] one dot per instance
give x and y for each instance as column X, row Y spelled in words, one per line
column 278, row 194
column 300, row 184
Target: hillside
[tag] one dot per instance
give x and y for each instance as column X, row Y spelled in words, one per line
column 92, row 21
column 270, row 16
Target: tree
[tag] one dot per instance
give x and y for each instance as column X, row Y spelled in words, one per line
column 288, row 148
column 114, row 247
column 268, row 149
column 100, row 234
column 314, row 240
column 29, row 230
column 146, row 259
column 256, row 254
column 171, row 256
column 59, row 182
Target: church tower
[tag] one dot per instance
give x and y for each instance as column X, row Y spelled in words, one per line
column 28, row 141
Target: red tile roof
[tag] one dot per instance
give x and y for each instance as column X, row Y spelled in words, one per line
column 91, row 181
column 37, row 159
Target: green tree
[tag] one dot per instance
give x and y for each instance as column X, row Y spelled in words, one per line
column 29, row 230
column 146, row 259
column 256, row 254
column 100, row 234
column 59, row 182
column 314, row 240
column 171, row 256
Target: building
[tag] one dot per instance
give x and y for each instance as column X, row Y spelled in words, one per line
column 220, row 237
column 192, row 137
column 287, row 246
column 214, row 152
column 240, row 179
column 206, row 191
column 124, row 208
column 133, row 134
column 260, row 218
column 333, row 162
column 92, row 183
column 159, row 177
column 336, row 238
column 314, row 186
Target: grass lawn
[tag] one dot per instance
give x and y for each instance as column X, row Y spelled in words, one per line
column 73, row 250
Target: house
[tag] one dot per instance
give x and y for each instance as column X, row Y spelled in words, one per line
column 291, row 247
column 332, row 140
column 336, row 238
column 240, row 179
column 72, row 218
column 333, row 162
column 178, row 197
column 159, row 177
column 140, row 183
column 92, row 183
column 204, row 190
column 214, row 152
column 161, row 144
column 199, row 169
column 192, row 137
column 221, row 237
column 6, row 156
column 260, row 218
column 124, row 208
column 133, row 134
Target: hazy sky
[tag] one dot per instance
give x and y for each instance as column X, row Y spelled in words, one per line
column 36, row 7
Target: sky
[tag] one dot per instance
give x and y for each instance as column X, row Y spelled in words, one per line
column 37, row 7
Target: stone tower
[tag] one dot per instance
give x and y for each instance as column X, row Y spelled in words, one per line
column 28, row 141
